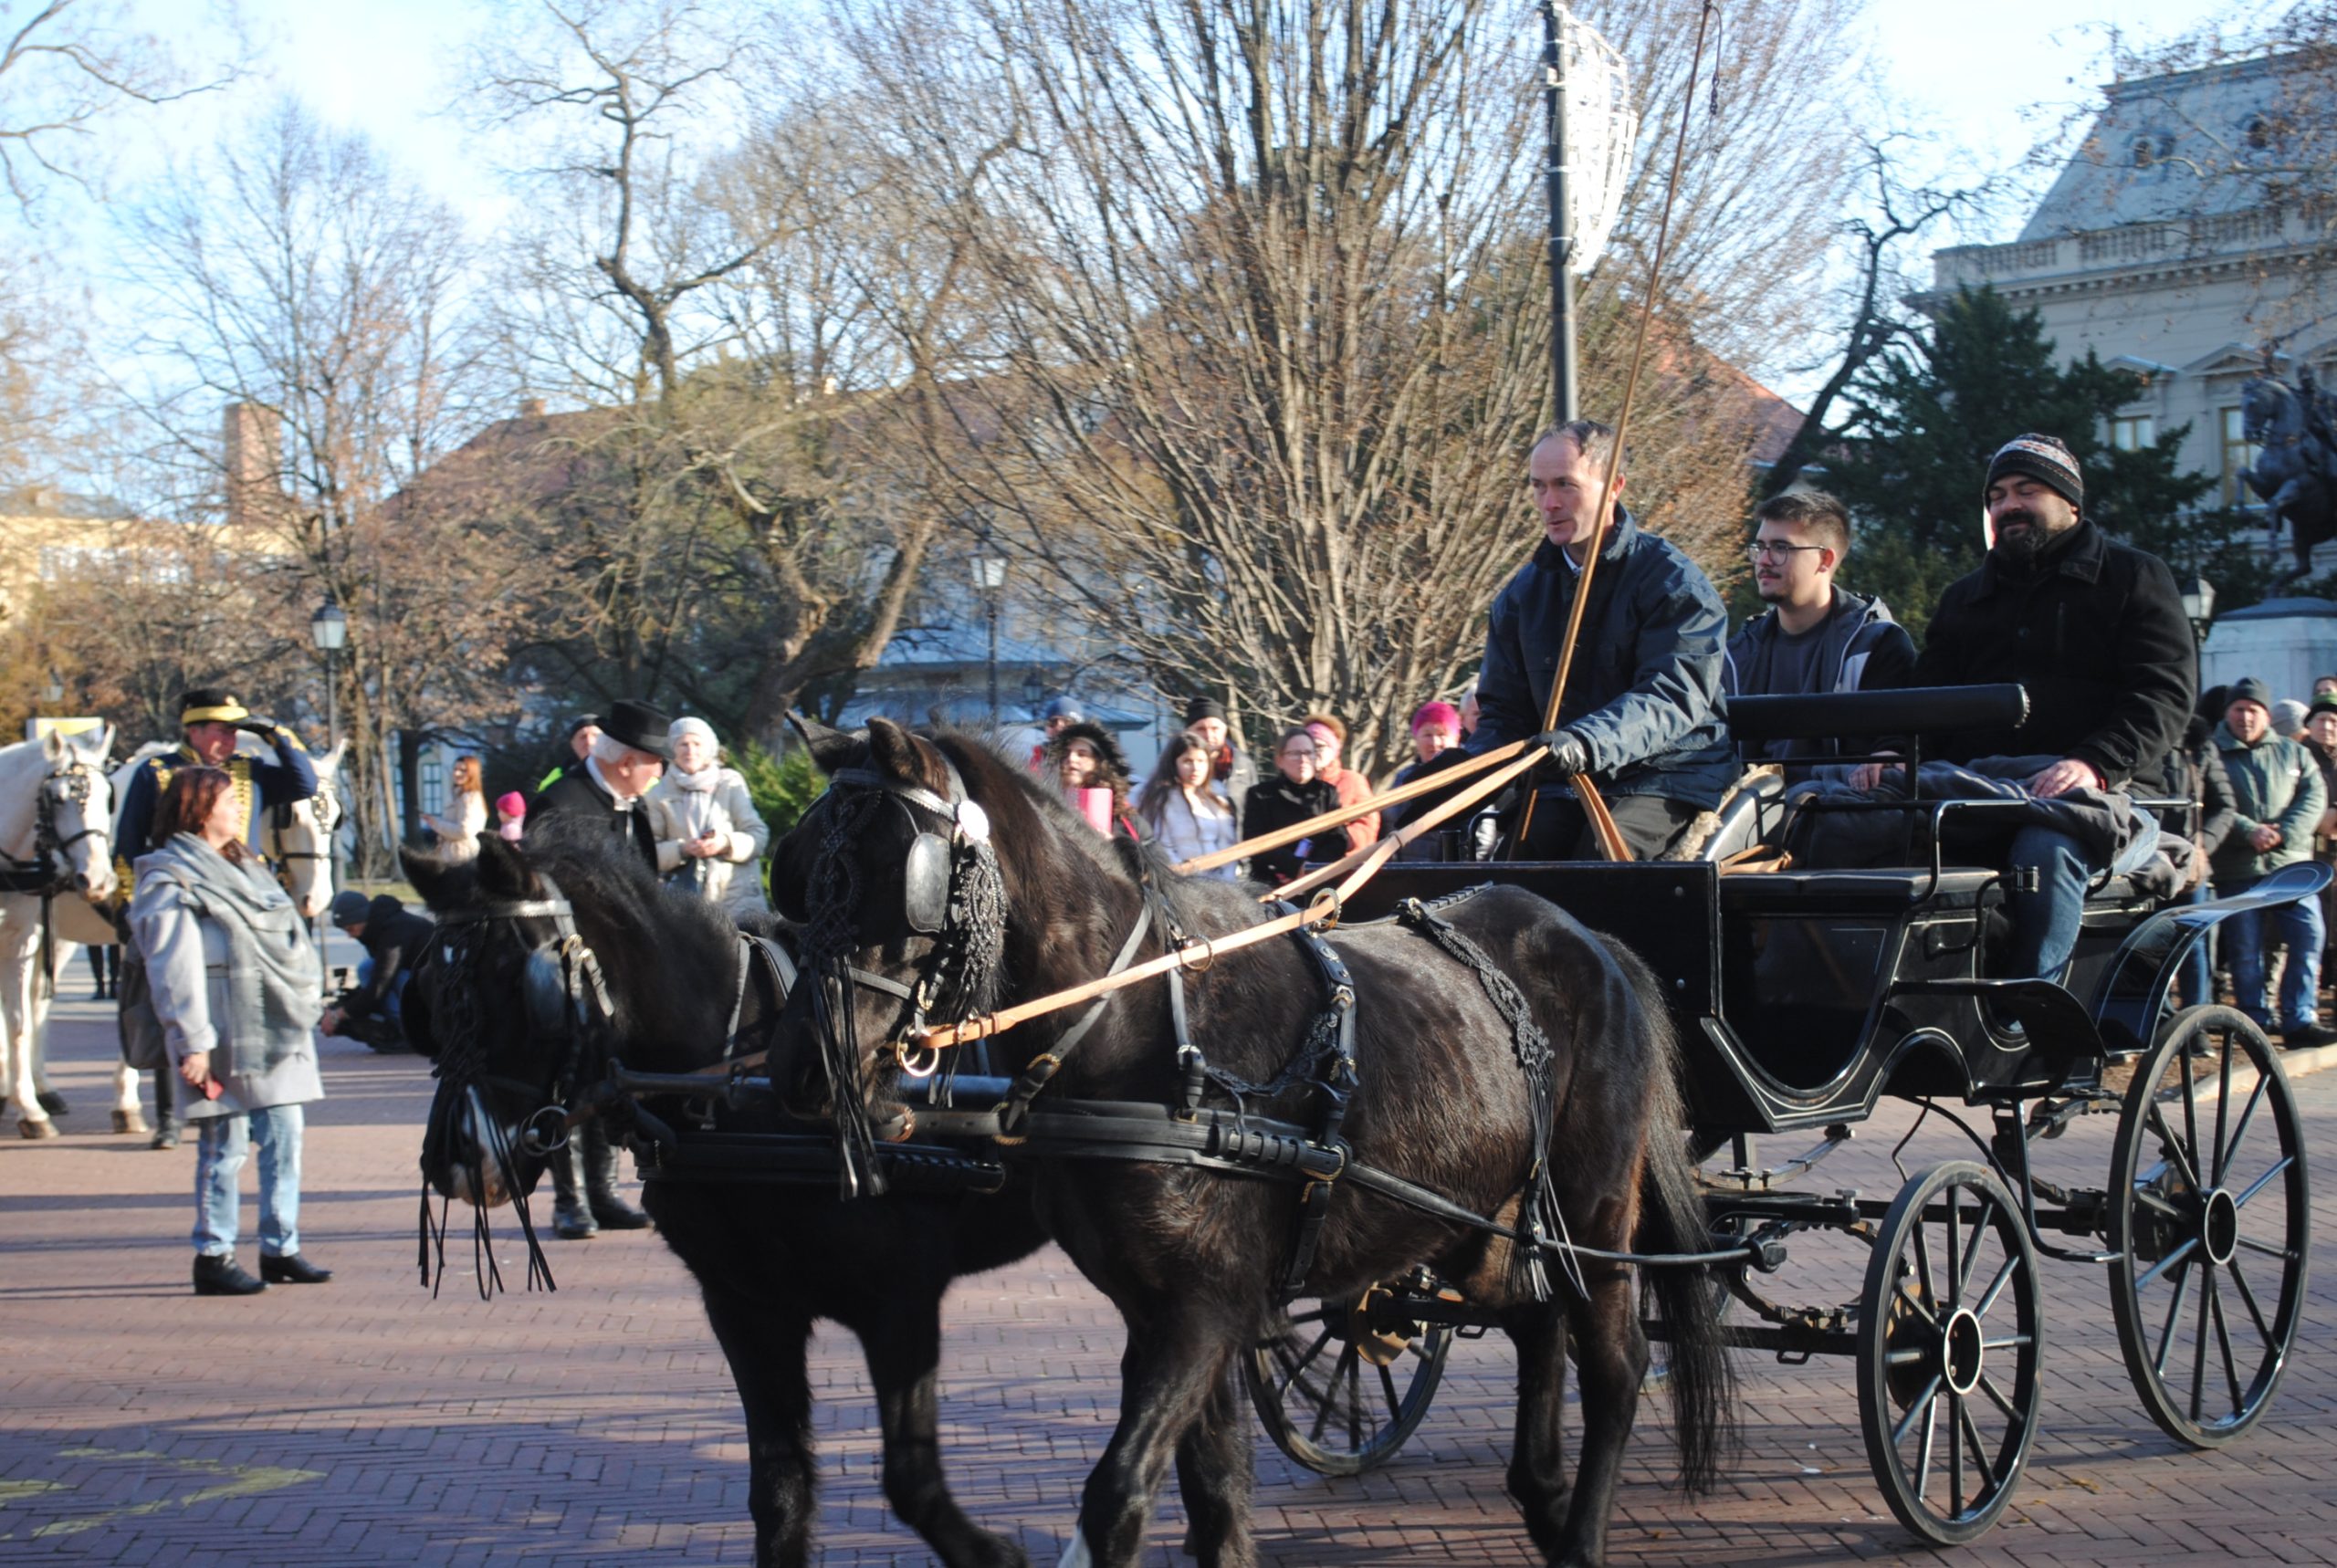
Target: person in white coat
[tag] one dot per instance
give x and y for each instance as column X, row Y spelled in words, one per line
column 465, row 816
column 233, row 980
column 710, row 837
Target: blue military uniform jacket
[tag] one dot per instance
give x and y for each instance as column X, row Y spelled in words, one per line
column 258, row 783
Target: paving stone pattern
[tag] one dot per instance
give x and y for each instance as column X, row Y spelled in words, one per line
column 365, row 1423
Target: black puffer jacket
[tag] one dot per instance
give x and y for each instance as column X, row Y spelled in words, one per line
column 2098, row 635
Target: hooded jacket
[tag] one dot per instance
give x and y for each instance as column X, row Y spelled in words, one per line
column 2096, row 632
column 1861, row 649
column 1644, row 695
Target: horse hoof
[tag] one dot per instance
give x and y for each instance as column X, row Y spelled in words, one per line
column 129, row 1121
column 28, row 1127
column 53, row 1103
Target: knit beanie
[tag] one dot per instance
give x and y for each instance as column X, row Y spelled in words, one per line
column 2251, row 690
column 1201, row 708
column 2044, row 458
column 1444, row 714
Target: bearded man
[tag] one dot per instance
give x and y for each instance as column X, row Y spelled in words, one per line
column 2095, row 631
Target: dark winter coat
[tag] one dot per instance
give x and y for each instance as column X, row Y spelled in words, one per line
column 1644, row 694
column 1861, row 649
column 395, row 938
column 1276, row 803
column 2097, row 634
column 580, row 795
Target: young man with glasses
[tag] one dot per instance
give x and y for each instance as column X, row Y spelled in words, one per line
column 1814, row 637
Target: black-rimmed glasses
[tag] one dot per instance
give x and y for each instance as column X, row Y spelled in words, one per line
column 1776, row 549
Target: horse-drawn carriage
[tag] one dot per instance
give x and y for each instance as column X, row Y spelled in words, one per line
column 1798, row 997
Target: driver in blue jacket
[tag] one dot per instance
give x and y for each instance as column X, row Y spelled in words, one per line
column 1643, row 712
column 209, row 722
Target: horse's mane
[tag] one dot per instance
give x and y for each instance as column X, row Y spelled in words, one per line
column 679, row 951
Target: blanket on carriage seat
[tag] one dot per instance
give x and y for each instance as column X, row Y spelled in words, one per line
column 2113, row 832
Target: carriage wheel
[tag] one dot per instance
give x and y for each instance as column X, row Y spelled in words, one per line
column 1948, row 1347
column 1338, row 1394
column 2211, row 1214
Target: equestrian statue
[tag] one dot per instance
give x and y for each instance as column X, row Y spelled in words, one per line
column 2294, row 430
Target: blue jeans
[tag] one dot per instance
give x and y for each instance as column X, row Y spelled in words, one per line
column 2199, row 967
column 2247, row 937
column 219, row 1160
column 392, row 999
column 2045, row 922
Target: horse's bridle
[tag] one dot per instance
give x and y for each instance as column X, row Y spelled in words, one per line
column 566, row 1003
column 50, row 866
column 946, row 879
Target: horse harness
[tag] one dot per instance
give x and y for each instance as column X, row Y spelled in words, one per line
column 49, row 872
column 937, row 872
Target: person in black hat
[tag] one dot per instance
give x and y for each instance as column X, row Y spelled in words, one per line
column 209, row 721
column 582, row 731
column 1232, row 768
column 626, row 757
column 394, row 938
column 2095, row 631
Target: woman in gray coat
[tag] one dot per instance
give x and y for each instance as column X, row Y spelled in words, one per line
column 235, row 984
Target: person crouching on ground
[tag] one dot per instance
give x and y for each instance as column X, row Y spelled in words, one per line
column 234, row 981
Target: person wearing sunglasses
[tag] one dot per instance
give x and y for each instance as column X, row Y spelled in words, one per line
column 1814, row 637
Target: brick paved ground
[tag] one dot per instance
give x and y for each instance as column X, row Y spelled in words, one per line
column 364, row 1423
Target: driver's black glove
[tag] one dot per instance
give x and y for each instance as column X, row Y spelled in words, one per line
column 1568, row 755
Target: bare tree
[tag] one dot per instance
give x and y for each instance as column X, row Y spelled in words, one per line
column 290, row 277
column 66, row 67
column 1264, row 321
column 712, row 304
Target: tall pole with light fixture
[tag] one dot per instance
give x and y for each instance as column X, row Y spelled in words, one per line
column 990, row 578
column 329, row 630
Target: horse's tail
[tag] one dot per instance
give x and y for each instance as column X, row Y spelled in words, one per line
column 1672, row 1221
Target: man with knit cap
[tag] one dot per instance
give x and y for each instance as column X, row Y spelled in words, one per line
column 2095, row 631
column 1229, row 765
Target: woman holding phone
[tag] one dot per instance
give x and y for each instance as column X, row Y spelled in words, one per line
column 235, row 983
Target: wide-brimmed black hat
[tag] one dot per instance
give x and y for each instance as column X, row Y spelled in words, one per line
column 641, row 726
column 209, row 705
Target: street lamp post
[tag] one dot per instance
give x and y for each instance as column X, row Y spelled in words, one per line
column 329, row 630
column 2199, row 607
column 990, row 576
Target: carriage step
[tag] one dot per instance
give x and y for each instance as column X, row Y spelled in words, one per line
column 2042, row 1012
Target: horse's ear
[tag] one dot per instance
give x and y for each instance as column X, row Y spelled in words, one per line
column 503, row 870
column 904, row 756
column 428, row 874
column 831, row 749
column 53, row 745
column 329, row 765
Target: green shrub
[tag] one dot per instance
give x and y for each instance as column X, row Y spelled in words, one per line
column 783, row 784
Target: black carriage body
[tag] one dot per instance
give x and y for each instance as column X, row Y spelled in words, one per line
column 1802, row 997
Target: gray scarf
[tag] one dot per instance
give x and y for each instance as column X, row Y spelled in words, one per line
column 273, row 976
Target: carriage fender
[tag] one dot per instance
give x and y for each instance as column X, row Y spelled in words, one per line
column 2132, row 997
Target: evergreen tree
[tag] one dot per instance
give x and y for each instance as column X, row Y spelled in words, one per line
column 1926, row 418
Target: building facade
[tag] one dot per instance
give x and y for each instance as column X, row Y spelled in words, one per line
column 2176, row 243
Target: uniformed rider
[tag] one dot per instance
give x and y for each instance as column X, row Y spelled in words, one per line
column 209, row 721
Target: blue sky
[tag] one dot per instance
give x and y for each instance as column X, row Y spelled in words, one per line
column 1987, row 79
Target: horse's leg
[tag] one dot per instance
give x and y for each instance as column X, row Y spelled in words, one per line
column 1173, row 1369
column 767, row 1352
column 903, row 1352
column 1537, row 1459
column 1610, row 1356
column 1214, row 1473
column 19, row 955
column 126, row 1115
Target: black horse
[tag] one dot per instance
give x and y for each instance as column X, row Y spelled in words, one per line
column 1197, row 1261
column 769, row 1259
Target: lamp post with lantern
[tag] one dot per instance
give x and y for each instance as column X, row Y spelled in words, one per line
column 989, row 579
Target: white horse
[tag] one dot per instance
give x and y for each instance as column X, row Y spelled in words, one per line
column 55, row 813
column 298, row 838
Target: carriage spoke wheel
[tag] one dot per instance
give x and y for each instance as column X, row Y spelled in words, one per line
column 1947, row 1351
column 1339, row 1386
column 2210, row 1214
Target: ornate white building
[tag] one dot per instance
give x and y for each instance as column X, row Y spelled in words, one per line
column 2174, row 244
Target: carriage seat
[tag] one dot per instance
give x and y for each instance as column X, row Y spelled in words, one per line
column 1747, row 814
